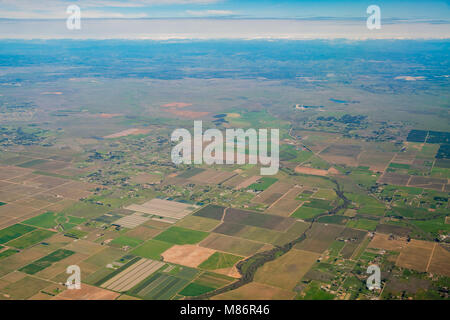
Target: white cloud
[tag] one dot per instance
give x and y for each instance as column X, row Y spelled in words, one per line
column 56, row 9
column 208, row 13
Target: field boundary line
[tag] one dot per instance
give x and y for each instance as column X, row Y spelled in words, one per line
column 431, row 257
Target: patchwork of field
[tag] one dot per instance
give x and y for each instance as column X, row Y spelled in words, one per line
column 131, row 221
column 287, row 270
column 187, row 255
column 287, row 204
column 132, row 275
column 237, row 246
column 24, row 194
column 210, row 176
column 163, row 208
column 273, row 193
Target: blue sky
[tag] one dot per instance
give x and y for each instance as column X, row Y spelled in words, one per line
column 398, row 9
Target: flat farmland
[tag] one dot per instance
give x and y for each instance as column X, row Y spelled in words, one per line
column 198, row 223
column 25, row 288
column 256, row 291
column 87, row 292
column 132, row 275
column 14, row 232
column 286, row 271
column 342, row 154
column 210, row 176
column 250, row 218
column 320, row 237
column 211, row 211
column 159, row 286
column 287, row 204
column 440, row 261
column 177, row 235
column 220, row 260
column 164, row 208
column 273, row 193
column 386, row 242
column 237, row 246
column 416, row 255
column 187, row 255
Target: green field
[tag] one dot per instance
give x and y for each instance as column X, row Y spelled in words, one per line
column 263, row 184
column 195, row 289
column 179, row 235
column 46, row 261
column 13, row 232
column 151, row 249
column 50, row 220
column 31, row 239
column 364, row 224
column 7, row 253
column 219, row 260
column 126, row 241
column 306, row 212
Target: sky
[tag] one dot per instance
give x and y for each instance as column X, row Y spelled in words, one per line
column 281, row 9
column 224, row 19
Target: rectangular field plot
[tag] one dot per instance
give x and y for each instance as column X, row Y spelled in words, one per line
column 159, row 286
column 256, row 291
column 255, row 219
column 287, row 270
column 231, row 245
column 211, row 211
column 131, row 221
column 13, row 232
column 164, row 208
column 210, row 176
column 440, row 261
column 46, row 261
column 320, row 237
column 416, row 255
column 30, row 239
column 394, row 178
column 273, row 193
column 187, row 255
column 132, row 275
column 177, row 235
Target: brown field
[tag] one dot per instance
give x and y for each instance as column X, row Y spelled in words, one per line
column 234, row 181
column 143, row 233
column 256, row 291
column 392, row 229
column 320, row 237
column 394, row 178
column 247, row 182
column 187, row 255
column 9, row 172
column 287, row 204
column 198, row 223
column 127, row 132
column 87, row 292
column 311, row 171
column 146, row 178
column 211, row 176
column 232, row 245
column 163, row 208
column 383, row 241
column 273, row 193
column 286, row 271
column 416, row 255
column 440, row 261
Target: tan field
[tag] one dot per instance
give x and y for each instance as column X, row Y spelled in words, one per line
column 187, row 255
